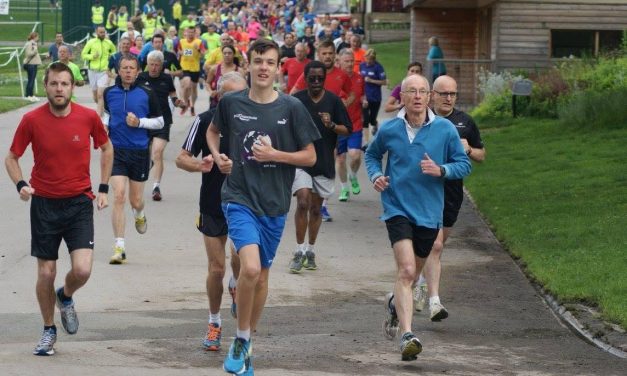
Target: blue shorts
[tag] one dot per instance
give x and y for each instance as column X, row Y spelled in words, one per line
column 246, row 228
column 352, row 141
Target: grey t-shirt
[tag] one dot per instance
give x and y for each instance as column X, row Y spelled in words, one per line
column 265, row 188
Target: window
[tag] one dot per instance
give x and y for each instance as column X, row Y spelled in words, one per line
column 580, row 43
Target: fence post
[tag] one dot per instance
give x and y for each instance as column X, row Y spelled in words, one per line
column 19, row 70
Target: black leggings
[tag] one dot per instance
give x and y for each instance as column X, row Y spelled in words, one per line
column 370, row 114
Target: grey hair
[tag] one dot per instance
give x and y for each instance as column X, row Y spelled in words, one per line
column 404, row 82
column 345, row 51
column 229, row 77
column 155, row 55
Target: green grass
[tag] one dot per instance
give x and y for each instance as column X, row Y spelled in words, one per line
column 20, row 32
column 556, row 197
column 394, row 56
column 11, row 104
column 9, row 78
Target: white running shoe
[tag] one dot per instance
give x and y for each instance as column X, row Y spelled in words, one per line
column 420, row 297
column 438, row 312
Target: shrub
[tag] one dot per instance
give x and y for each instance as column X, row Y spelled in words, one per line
column 494, row 107
column 598, row 109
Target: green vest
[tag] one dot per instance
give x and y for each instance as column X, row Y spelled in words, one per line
column 122, row 20
column 97, row 15
column 150, row 24
column 113, row 25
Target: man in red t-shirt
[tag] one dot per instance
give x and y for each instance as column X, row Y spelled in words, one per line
column 293, row 67
column 351, row 144
column 61, row 208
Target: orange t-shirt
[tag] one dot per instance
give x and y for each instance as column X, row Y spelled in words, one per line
column 360, row 57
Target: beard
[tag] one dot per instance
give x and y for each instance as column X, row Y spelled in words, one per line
column 58, row 106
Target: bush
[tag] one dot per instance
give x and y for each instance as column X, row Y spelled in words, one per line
column 494, row 107
column 598, row 109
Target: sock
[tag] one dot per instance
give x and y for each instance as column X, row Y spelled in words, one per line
column 232, row 282
column 138, row 214
column 434, row 299
column 422, row 280
column 352, row 175
column 64, row 298
column 300, row 248
column 243, row 334
column 324, row 203
column 310, row 248
column 215, row 319
column 344, row 185
column 53, row 327
column 119, row 242
column 155, row 185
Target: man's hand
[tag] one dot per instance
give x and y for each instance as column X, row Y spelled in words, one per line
column 206, row 164
column 102, row 200
column 326, row 119
column 132, row 120
column 429, row 167
column 465, row 145
column 224, row 164
column 26, row 192
column 263, row 150
column 381, row 183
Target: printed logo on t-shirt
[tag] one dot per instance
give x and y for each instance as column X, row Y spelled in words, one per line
column 282, row 121
column 243, row 117
column 251, row 138
column 76, row 138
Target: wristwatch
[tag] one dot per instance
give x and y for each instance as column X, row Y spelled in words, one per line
column 442, row 171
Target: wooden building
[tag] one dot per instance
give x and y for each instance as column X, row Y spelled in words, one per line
column 512, row 34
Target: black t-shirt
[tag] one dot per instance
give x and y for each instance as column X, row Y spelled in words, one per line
column 196, row 143
column 331, row 103
column 466, row 127
column 263, row 187
column 162, row 86
column 342, row 45
column 169, row 61
column 287, row 51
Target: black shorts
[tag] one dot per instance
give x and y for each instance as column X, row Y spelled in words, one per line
column 132, row 163
column 400, row 228
column 194, row 76
column 212, row 225
column 54, row 219
column 450, row 213
column 453, row 198
column 163, row 133
column 370, row 113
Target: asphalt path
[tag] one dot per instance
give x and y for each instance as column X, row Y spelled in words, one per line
column 148, row 317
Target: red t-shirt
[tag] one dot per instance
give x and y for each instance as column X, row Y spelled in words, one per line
column 354, row 110
column 60, row 149
column 336, row 82
column 235, row 34
column 293, row 68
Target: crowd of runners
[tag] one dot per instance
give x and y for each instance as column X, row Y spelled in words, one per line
column 294, row 99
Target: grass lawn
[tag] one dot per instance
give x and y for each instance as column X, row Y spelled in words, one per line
column 394, row 57
column 11, row 104
column 557, row 198
column 20, row 32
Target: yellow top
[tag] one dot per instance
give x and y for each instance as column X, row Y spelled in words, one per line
column 97, row 15
column 177, row 11
column 190, row 53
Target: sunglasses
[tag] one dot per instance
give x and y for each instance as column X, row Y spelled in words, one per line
column 313, row 79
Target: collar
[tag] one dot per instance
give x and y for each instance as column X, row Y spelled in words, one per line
column 428, row 120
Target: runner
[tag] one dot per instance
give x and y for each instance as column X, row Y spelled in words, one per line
column 130, row 111
column 313, row 185
column 393, row 103
column 412, row 194
column 190, row 51
column 256, row 192
column 97, row 52
column 60, row 133
column 211, row 222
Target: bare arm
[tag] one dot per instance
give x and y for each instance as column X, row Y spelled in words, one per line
column 392, row 105
column 15, row 173
column 186, row 161
column 305, row 157
column 106, row 163
column 213, row 140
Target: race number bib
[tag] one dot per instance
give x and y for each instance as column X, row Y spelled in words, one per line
column 188, row 52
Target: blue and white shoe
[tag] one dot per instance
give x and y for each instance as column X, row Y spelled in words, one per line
column 390, row 323
column 46, row 343
column 249, row 368
column 326, row 217
column 237, row 361
column 68, row 313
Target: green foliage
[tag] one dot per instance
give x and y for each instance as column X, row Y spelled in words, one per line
column 494, row 107
column 394, row 57
column 596, row 109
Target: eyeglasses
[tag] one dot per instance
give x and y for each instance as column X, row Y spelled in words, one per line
column 313, row 79
column 445, row 94
column 413, row 92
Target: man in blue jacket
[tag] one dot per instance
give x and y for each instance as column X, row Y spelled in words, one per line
column 423, row 150
column 130, row 111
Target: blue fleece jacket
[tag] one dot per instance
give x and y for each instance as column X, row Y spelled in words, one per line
column 412, row 194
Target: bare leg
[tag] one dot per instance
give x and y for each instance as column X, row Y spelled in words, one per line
column 408, row 266
column 303, row 198
column 315, row 219
column 136, row 194
column 250, row 273
column 118, row 218
column 261, row 293
column 433, row 267
column 100, row 100
column 46, row 273
column 354, row 160
column 216, row 257
column 158, row 146
column 82, row 260
column 340, row 167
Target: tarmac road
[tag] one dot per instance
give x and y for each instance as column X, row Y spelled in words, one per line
column 148, row 317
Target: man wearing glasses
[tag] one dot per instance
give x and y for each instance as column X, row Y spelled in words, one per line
column 444, row 98
column 422, row 152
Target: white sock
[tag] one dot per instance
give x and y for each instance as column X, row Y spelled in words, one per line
column 119, row 242
column 215, row 319
column 300, row 248
column 155, row 185
column 310, row 248
column 344, row 185
column 352, row 175
column 244, row 334
column 232, row 282
column 138, row 214
column 324, row 203
column 422, row 280
column 433, row 300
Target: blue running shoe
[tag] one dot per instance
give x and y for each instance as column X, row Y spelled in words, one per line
column 238, row 357
column 68, row 313
column 45, row 347
column 326, row 217
column 249, row 368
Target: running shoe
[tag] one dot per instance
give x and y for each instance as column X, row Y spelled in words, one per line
column 68, row 314
column 390, row 324
column 410, row 347
column 326, row 217
column 420, row 297
column 46, row 343
column 355, row 186
column 297, row 262
column 309, row 261
column 249, row 368
column 233, row 291
column 238, row 358
column 156, row 194
column 141, row 225
column 212, row 340
column 119, row 256
column 344, row 195
column 438, row 312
